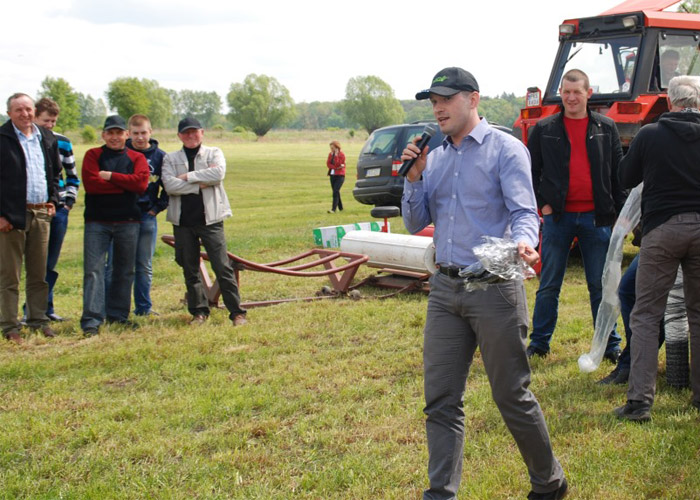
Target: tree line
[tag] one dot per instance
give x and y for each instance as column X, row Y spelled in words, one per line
column 258, row 104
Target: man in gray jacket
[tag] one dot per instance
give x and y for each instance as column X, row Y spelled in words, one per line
column 193, row 178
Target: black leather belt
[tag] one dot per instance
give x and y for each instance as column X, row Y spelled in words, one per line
column 483, row 277
column 452, row 272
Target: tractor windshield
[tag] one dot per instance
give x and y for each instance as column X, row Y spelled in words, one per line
column 677, row 55
column 609, row 63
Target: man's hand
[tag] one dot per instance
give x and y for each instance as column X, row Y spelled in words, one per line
column 528, row 254
column 5, row 226
column 183, row 176
column 51, row 209
column 105, row 174
column 546, row 210
column 411, row 152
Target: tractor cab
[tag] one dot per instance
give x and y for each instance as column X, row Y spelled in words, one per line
column 629, row 53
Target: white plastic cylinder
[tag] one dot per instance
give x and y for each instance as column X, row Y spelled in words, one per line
column 396, row 251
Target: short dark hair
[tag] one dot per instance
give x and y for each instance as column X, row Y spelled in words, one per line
column 48, row 106
column 576, row 75
column 17, row 95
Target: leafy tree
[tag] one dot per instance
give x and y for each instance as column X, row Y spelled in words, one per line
column 92, row 112
column 205, row 106
column 129, row 95
column 370, row 102
column 319, row 115
column 260, row 103
column 60, row 91
column 690, row 6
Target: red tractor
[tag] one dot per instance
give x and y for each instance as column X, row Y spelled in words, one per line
column 629, row 53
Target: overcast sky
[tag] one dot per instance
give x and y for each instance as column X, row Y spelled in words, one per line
column 311, row 47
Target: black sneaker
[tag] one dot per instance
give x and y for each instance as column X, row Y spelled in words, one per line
column 126, row 323
column 613, row 355
column 551, row 495
column 610, row 378
column 635, row 411
column 622, row 376
column 91, row 331
column 535, row 351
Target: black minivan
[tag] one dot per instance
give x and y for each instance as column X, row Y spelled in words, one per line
column 378, row 180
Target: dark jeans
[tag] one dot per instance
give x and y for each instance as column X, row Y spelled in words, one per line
column 115, row 304
column 674, row 242
column 626, row 293
column 557, row 237
column 336, row 183
column 187, row 243
column 143, row 277
column 59, row 225
column 495, row 320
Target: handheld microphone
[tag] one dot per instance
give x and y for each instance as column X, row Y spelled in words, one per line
column 428, row 134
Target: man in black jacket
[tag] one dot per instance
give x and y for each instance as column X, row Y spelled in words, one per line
column 666, row 156
column 29, row 169
column 575, row 155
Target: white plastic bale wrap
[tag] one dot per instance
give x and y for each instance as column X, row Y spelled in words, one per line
column 391, row 250
column 609, row 308
column 676, row 329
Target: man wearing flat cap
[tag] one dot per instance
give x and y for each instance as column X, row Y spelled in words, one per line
column 114, row 177
column 477, row 183
column 193, row 178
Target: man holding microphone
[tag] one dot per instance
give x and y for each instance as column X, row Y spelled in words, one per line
column 477, row 183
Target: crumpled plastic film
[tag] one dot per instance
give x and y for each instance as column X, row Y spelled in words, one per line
column 498, row 260
column 609, row 308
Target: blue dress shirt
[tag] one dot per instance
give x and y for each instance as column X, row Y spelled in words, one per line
column 37, row 188
column 481, row 188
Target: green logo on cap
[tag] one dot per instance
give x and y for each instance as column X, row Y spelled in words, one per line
column 440, row 79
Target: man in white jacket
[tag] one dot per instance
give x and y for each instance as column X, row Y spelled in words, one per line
column 193, row 178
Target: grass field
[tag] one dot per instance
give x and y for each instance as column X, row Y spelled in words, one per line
column 317, row 400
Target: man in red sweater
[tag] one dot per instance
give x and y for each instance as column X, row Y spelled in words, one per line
column 575, row 156
column 113, row 178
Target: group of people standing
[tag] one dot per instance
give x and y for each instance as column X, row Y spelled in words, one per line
column 483, row 182
column 127, row 182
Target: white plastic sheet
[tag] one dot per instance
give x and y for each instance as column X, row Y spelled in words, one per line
column 609, row 308
column 498, row 260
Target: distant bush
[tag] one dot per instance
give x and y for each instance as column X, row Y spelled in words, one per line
column 351, row 133
column 218, row 127
column 88, row 134
column 239, row 129
column 332, row 129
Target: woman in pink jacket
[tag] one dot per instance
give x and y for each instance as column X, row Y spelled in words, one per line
column 336, row 171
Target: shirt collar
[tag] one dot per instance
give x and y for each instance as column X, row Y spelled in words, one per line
column 478, row 133
column 35, row 131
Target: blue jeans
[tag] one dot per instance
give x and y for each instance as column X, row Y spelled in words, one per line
column 557, row 237
column 145, row 248
column 115, row 304
column 59, row 225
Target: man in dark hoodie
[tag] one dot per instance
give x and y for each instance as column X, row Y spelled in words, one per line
column 151, row 203
column 666, row 157
column 114, row 177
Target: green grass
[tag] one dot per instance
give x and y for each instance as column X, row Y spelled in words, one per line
column 312, row 400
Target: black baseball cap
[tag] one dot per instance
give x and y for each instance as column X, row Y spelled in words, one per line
column 115, row 121
column 448, row 82
column 188, row 123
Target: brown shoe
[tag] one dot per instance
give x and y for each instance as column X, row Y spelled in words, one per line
column 239, row 320
column 198, row 320
column 48, row 332
column 13, row 336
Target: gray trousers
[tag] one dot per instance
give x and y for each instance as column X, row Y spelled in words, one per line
column 496, row 321
column 677, row 241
